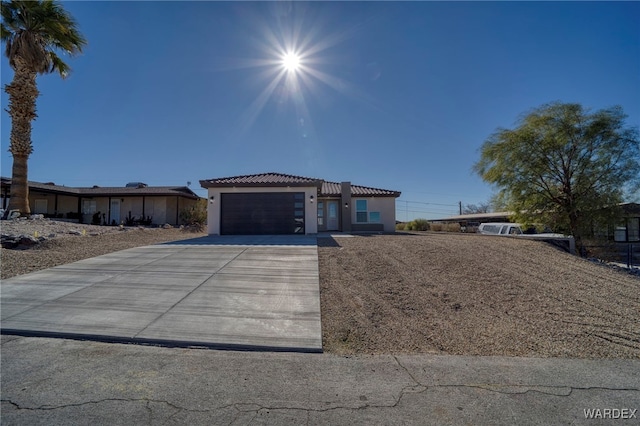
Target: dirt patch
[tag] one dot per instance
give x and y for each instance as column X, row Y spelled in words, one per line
column 67, row 248
column 468, row 294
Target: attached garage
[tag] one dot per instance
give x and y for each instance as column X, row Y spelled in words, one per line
column 264, row 204
column 266, row 213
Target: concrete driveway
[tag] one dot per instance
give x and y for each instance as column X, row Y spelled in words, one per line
column 222, row 292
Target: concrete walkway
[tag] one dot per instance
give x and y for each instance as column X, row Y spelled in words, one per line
column 224, row 292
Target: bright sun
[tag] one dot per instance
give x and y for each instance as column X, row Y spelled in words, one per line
column 291, row 62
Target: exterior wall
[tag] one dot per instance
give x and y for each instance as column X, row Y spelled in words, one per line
column 171, row 210
column 346, row 222
column 156, row 207
column 385, row 205
column 130, row 204
column 310, row 208
column 162, row 209
column 67, row 204
column 101, row 205
column 153, row 206
column 36, row 196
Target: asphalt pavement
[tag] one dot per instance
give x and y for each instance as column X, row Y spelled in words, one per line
column 49, row 381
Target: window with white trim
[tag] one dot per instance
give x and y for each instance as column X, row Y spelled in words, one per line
column 363, row 215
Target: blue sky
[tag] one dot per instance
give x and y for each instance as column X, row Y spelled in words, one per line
column 395, row 95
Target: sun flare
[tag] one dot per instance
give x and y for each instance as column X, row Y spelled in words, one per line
column 294, row 58
column 291, row 62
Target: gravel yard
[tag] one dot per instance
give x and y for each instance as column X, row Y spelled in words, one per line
column 469, row 294
column 440, row 293
column 71, row 244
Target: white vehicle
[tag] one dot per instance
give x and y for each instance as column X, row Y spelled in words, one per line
column 565, row 242
column 498, row 228
column 505, row 228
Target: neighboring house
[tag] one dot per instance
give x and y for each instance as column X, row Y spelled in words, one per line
column 470, row 222
column 628, row 228
column 156, row 204
column 274, row 203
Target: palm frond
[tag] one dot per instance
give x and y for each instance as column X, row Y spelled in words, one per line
column 5, row 34
column 35, row 30
column 57, row 64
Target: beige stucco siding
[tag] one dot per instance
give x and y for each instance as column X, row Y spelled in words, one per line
column 131, row 205
column 156, row 207
column 386, row 206
column 50, row 203
column 66, row 203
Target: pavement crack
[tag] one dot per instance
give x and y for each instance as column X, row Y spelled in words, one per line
column 563, row 391
column 147, row 403
column 416, row 388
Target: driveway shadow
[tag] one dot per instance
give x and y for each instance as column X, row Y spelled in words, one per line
column 248, row 240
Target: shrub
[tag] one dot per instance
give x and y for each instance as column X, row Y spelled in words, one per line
column 421, row 225
column 401, row 226
column 417, row 225
column 194, row 217
column 95, row 219
column 445, row 227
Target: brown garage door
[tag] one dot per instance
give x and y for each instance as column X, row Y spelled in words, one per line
column 262, row 213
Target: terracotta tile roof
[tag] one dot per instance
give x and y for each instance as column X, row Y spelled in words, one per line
column 279, row 179
column 262, row 179
column 335, row 189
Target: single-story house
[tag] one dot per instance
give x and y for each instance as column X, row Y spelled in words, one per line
column 137, row 201
column 470, row 222
column 275, row 203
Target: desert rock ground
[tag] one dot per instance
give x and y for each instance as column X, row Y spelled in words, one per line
column 469, row 294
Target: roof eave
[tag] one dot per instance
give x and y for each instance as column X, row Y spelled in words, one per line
column 208, row 184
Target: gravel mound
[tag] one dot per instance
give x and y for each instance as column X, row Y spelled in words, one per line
column 469, row 294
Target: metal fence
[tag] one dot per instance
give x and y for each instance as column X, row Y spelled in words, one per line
column 624, row 253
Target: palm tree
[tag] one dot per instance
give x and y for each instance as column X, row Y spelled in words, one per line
column 32, row 31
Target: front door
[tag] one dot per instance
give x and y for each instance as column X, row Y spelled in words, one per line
column 333, row 223
column 114, row 213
